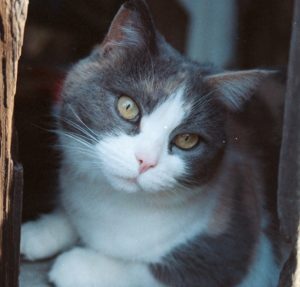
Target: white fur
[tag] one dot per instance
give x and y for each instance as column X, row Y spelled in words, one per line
column 46, row 236
column 134, row 226
column 82, row 267
column 264, row 271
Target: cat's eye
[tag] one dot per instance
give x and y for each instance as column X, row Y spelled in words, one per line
column 127, row 108
column 186, row 141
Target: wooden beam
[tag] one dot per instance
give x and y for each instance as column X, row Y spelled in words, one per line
column 289, row 170
column 12, row 20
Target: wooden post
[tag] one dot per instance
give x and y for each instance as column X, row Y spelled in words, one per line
column 289, row 170
column 12, row 20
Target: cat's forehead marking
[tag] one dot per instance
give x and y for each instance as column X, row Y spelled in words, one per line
column 167, row 115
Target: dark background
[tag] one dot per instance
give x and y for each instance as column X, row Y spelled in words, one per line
column 59, row 32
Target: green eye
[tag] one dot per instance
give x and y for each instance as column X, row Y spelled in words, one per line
column 127, row 108
column 186, row 141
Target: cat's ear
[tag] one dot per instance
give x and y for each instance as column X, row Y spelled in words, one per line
column 131, row 28
column 234, row 89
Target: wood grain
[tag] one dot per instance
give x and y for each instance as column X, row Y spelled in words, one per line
column 12, row 20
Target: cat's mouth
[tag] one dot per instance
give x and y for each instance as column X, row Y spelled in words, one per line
column 132, row 180
column 135, row 184
column 130, row 183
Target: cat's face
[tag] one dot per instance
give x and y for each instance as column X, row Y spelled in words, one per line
column 164, row 149
column 143, row 133
column 143, row 117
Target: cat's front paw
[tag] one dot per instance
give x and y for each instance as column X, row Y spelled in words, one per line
column 83, row 267
column 34, row 241
column 71, row 269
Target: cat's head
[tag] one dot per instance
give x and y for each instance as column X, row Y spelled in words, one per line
column 140, row 115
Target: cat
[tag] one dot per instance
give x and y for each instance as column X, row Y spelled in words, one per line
column 163, row 173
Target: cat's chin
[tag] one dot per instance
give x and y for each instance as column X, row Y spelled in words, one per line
column 126, row 185
column 133, row 185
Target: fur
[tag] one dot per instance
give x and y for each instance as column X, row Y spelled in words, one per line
column 195, row 217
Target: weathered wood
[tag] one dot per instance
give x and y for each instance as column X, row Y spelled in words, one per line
column 289, row 170
column 12, row 20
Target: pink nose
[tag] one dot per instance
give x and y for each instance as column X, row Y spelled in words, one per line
column 145, row 164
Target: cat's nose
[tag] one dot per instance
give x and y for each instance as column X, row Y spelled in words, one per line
column 145, row 164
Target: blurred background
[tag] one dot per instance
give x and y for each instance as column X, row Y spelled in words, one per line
column 236, row 34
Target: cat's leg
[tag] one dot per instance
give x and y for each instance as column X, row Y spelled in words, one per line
column 47, row 236
column 82, row 267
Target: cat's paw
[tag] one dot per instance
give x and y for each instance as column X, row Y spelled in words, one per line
column 82, row 267
column 71, row 269
column 34, row 239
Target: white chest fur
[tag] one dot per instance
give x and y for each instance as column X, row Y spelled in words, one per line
column 127, row 225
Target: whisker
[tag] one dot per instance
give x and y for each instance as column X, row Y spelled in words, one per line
column 74, row 148
column 77, row 116
column 76, row 138
column 81, row 129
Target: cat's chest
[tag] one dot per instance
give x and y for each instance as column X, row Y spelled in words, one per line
column 124, row 226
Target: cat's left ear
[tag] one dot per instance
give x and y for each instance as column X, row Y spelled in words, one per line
column 131, row 28
column 234, row 89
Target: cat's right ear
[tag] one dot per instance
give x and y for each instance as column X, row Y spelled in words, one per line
column 132, row 28
column 234, row 89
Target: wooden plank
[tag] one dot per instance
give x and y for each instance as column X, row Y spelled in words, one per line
column 12, row 20
column 289, row 170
